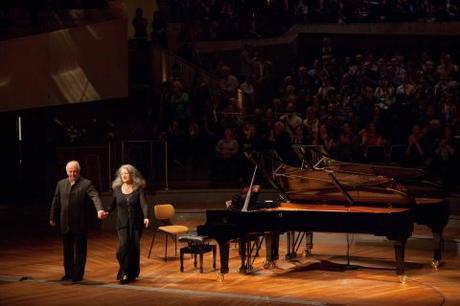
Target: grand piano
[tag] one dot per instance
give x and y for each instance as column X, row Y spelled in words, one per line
column 345, row 204
column 223, row 225
column 373, row 183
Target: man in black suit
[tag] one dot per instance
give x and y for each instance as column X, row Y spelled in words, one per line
column 69, row 201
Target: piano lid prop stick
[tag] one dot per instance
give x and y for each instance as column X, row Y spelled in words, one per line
column 340, row 187
column 248, row 194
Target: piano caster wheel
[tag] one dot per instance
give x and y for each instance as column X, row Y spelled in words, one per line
column 290, row 256
column 220, row 277
column 403, row 279
column 435, row 264
column 269, row 264
column 246, row 269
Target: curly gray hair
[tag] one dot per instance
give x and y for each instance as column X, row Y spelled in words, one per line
column 72, row 163
column 136, row 177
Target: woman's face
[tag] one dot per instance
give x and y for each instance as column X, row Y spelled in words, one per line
column 125, row 176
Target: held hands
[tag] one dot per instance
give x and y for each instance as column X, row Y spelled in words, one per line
column 102, row 214
column 52, row 223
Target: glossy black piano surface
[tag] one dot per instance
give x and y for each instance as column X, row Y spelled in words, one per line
column 224, row 225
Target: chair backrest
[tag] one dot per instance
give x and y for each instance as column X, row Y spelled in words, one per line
column 164, row 211
column 397, row 153
column 375, row 153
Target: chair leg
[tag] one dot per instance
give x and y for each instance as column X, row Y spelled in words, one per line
column 175, row 245
column 151, row 243
column 182, row 260
column 201, row 262
column 166, row 247
column 213, row 257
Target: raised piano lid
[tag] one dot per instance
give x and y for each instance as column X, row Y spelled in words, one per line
column 362, row 196
column 307, row 185
column 338, row 208
column 429, row 201
column 324, row 161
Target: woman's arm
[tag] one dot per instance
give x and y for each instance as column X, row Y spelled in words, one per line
column 113, row 203
column 144, row 207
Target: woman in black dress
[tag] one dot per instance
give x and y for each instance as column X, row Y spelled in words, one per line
column 132, row 217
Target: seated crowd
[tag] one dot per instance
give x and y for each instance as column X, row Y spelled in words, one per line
column 400, row 108
column 230, row 19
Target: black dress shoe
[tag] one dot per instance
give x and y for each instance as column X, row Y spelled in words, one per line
column 66, row 278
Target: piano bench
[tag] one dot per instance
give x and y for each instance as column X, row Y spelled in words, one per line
column 197, row 245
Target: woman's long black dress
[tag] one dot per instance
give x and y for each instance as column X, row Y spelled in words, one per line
column 132, row 210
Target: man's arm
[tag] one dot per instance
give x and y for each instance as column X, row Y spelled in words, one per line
column 55, row 206
column 94, row 196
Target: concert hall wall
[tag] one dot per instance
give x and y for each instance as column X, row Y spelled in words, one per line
column 75, row 65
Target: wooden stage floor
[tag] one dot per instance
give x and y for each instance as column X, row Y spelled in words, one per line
column 31, row 266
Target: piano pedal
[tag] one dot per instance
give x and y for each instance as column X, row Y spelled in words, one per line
column 246, row 269
column 435, row 264
column 290, row 256
column 269, row 264
column 220, row 277
column 403, row 279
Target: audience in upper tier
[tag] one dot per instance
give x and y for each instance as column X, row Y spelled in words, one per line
column 230, row 19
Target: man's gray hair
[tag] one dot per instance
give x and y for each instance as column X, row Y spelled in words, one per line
column 72, row 162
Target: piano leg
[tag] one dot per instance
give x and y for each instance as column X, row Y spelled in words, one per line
column 399, row 246
column 290, row 241
column 272, row 246
column 224, row 249
column 437, row 249
column 438, row 242
column 244, row 249
column 272, row 242
column 435, row 217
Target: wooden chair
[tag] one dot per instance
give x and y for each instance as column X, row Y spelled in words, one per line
column 165, row 213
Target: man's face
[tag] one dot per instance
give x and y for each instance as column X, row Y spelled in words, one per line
column 73, row 172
